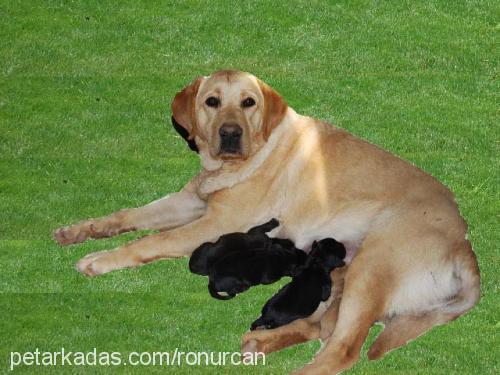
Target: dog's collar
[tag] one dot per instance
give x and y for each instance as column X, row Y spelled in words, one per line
column 185, row 134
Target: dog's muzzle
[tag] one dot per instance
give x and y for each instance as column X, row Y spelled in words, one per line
column 230, row 139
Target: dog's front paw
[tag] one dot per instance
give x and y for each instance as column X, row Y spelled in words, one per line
column 70, row 234
column 97, row 263
column 97, row 228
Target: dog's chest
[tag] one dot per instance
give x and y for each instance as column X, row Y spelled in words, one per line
column 350, row 228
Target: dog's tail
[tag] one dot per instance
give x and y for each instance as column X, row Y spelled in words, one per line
column 266, row 227
column 217, row 294
column 466, row 274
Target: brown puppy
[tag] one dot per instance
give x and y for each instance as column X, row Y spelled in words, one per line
column 410, row 264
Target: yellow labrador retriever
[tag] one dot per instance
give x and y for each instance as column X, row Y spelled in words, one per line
column 410, row 264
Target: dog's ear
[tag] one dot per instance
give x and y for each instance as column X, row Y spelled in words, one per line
column 185, row 135
column 274, row 109
column 183, row 111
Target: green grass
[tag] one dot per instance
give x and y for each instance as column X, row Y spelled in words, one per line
column 85, row 91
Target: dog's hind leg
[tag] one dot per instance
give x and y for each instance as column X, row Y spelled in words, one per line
column 320, row 324
column 362, row 304
column 403, row 328
column 400, row 329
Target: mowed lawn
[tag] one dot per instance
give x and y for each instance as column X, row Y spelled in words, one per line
column 85, row 92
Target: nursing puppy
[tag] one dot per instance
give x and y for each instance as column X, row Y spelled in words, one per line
column 208, row 253
column 240, row 270
column 302, row 296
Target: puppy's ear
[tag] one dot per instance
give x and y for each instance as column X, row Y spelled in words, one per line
column 326, row 290
column 274, row 109
column 314, row 249
column 183, row 111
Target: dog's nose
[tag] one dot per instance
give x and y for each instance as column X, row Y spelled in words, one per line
column 228, row 131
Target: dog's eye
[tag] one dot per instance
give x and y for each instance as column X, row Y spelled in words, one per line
column 248, row 102
column 212, row 102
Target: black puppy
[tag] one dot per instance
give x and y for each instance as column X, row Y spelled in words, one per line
column 208, row 253
column 240, row 270
column 302, row 296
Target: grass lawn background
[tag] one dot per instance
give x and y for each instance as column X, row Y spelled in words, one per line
column 85, row 92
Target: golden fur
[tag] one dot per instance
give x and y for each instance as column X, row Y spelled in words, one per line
column 410, row 265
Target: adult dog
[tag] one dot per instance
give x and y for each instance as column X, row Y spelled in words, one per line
column 410, row 265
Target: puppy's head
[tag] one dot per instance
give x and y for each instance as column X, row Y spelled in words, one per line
column 230, row 114
column 328, row 253
column 199, row 261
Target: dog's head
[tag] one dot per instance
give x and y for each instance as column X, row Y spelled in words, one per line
column 229, row 114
